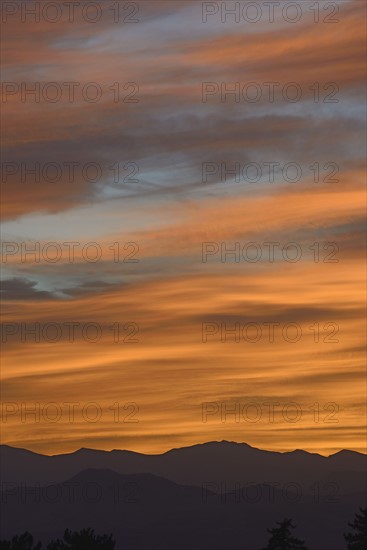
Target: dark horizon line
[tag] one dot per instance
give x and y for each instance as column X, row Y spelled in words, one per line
column 205, row 443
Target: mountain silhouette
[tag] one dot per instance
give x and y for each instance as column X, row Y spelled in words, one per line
column 144, row 511
column 220, row 463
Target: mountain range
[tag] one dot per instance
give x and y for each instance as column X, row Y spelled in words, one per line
column 212, row 496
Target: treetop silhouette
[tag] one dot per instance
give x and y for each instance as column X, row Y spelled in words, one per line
column 83, row 540
column 358, row 539
column 21, row 542
column 282, row 539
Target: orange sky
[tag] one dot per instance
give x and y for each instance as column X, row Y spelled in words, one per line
column 174, row 389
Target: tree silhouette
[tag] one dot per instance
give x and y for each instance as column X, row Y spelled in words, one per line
column 358, row 539
column 282, row 539
column 83, row 540
column 21, row 542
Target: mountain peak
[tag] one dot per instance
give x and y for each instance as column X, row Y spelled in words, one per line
column 345, row 453
column 88, row 450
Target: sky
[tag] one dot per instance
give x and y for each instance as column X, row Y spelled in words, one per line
column 183, row 210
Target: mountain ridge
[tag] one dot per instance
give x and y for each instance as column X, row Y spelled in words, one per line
column 241, row 444
column 147, row 511
column 220, row 463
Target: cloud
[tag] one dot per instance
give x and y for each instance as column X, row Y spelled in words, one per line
column 169, row 372
column 22, row 289
column 170, row 132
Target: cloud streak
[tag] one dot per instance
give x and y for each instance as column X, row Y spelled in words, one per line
column 161, row 201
